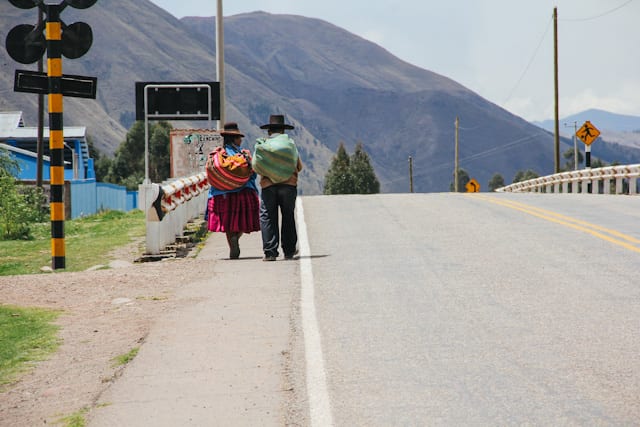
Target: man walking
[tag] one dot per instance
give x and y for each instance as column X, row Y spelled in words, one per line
column 279, row 180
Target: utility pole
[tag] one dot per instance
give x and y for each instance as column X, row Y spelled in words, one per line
column 555, row 79
column 410, row 174
column 220, row 59
column 455, row 167
column 575, row 145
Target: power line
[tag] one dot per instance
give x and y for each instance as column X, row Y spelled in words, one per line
column 476, row 156
column 535, row 53
column 600, row 15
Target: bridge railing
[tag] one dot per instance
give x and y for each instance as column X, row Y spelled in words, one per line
column 606, row 180
column 169, row 207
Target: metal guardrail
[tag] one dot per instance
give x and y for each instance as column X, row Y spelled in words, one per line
column 169, row 207
column 625, row 178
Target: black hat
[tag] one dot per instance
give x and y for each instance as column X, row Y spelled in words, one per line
column 276, row 121
column 231, row 128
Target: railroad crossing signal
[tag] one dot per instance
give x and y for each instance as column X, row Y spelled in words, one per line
column 588, row 133
column 472, row 186
column 26, row 44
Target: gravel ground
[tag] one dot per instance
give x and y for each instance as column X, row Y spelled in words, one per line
column 106, row 313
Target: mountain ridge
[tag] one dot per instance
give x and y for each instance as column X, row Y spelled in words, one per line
column 334, row 86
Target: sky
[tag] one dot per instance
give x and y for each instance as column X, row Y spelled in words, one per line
column 500, row 49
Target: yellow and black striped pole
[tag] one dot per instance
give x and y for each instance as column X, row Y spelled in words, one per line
column 53, row 32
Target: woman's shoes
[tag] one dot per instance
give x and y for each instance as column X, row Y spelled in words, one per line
column 234, row 246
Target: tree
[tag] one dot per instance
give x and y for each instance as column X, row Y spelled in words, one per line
column 525, row 175
column 568, row 155
column 128, row 167
column 496, row 182
column 365, row 180
column 8, row 165
column 463, row 180
column 339, row 179
column 20, row 205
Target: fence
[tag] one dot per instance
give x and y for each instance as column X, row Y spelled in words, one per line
column 89, row 197
column 595, row 181
column 169, row 207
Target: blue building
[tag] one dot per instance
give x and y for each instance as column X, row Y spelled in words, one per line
column 86, row 196
column 22, row 143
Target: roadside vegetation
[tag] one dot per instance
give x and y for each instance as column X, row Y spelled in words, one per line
column 26, row 335
column 88, row 242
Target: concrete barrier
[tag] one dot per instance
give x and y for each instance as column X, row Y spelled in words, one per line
column 169, row 207
column 599, row 180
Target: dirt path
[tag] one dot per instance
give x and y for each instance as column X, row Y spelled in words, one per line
column 106, row 313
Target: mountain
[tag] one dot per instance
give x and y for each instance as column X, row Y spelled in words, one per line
column 332, row 85
column 603, row 120
column 619, row 134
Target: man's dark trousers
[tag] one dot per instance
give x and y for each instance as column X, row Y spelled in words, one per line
column 283, row 197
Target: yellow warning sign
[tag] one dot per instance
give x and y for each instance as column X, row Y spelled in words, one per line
column 588, row 133
column 472, row 186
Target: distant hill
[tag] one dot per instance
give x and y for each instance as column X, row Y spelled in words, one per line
column 622, row 131
column 603, row 120
column 332, row 85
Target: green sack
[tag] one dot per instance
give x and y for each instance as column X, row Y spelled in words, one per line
column 276, row 158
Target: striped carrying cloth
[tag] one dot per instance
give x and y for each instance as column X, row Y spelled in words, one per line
column 228, row 171
column 275, row 158
column 234, row 212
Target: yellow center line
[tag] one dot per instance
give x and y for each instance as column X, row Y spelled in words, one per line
column 574, row 223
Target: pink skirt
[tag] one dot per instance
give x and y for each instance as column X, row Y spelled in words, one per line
column 234, row 212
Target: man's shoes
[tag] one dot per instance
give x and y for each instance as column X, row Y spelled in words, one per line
column 269, row 258
column 290, row 256
column 234, row 252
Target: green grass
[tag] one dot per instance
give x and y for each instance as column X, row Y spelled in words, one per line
column 87, row 242
column 74, row 420
column 123, row 359
column 26, row 335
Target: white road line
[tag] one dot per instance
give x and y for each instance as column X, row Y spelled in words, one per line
column 317, row 393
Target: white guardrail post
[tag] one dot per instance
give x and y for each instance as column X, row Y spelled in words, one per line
column 169, row 207
column 580, row 180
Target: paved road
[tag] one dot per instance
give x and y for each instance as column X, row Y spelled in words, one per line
column 444, row 309
column 423, row 309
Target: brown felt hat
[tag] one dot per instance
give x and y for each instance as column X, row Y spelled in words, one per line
column 231, row 128
column 276, row 121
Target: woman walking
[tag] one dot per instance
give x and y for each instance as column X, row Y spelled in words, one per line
column 234, row 212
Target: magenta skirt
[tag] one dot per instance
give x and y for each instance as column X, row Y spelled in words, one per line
column 234, row 212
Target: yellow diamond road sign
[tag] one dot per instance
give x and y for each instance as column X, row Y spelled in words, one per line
column 588, row 133
column 472, row 186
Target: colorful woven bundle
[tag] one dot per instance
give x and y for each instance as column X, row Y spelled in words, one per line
column 276, row 158
column 228, row 172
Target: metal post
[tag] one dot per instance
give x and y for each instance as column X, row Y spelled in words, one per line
column 146, row 136
column 220, row 59
column 207, row 116
column 53, row 32
column 587, row 163
column 410, row 174
column 575, row 145
column 40, row 140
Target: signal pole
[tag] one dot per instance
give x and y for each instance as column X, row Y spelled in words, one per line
column 26, row 44
column 53, row 31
